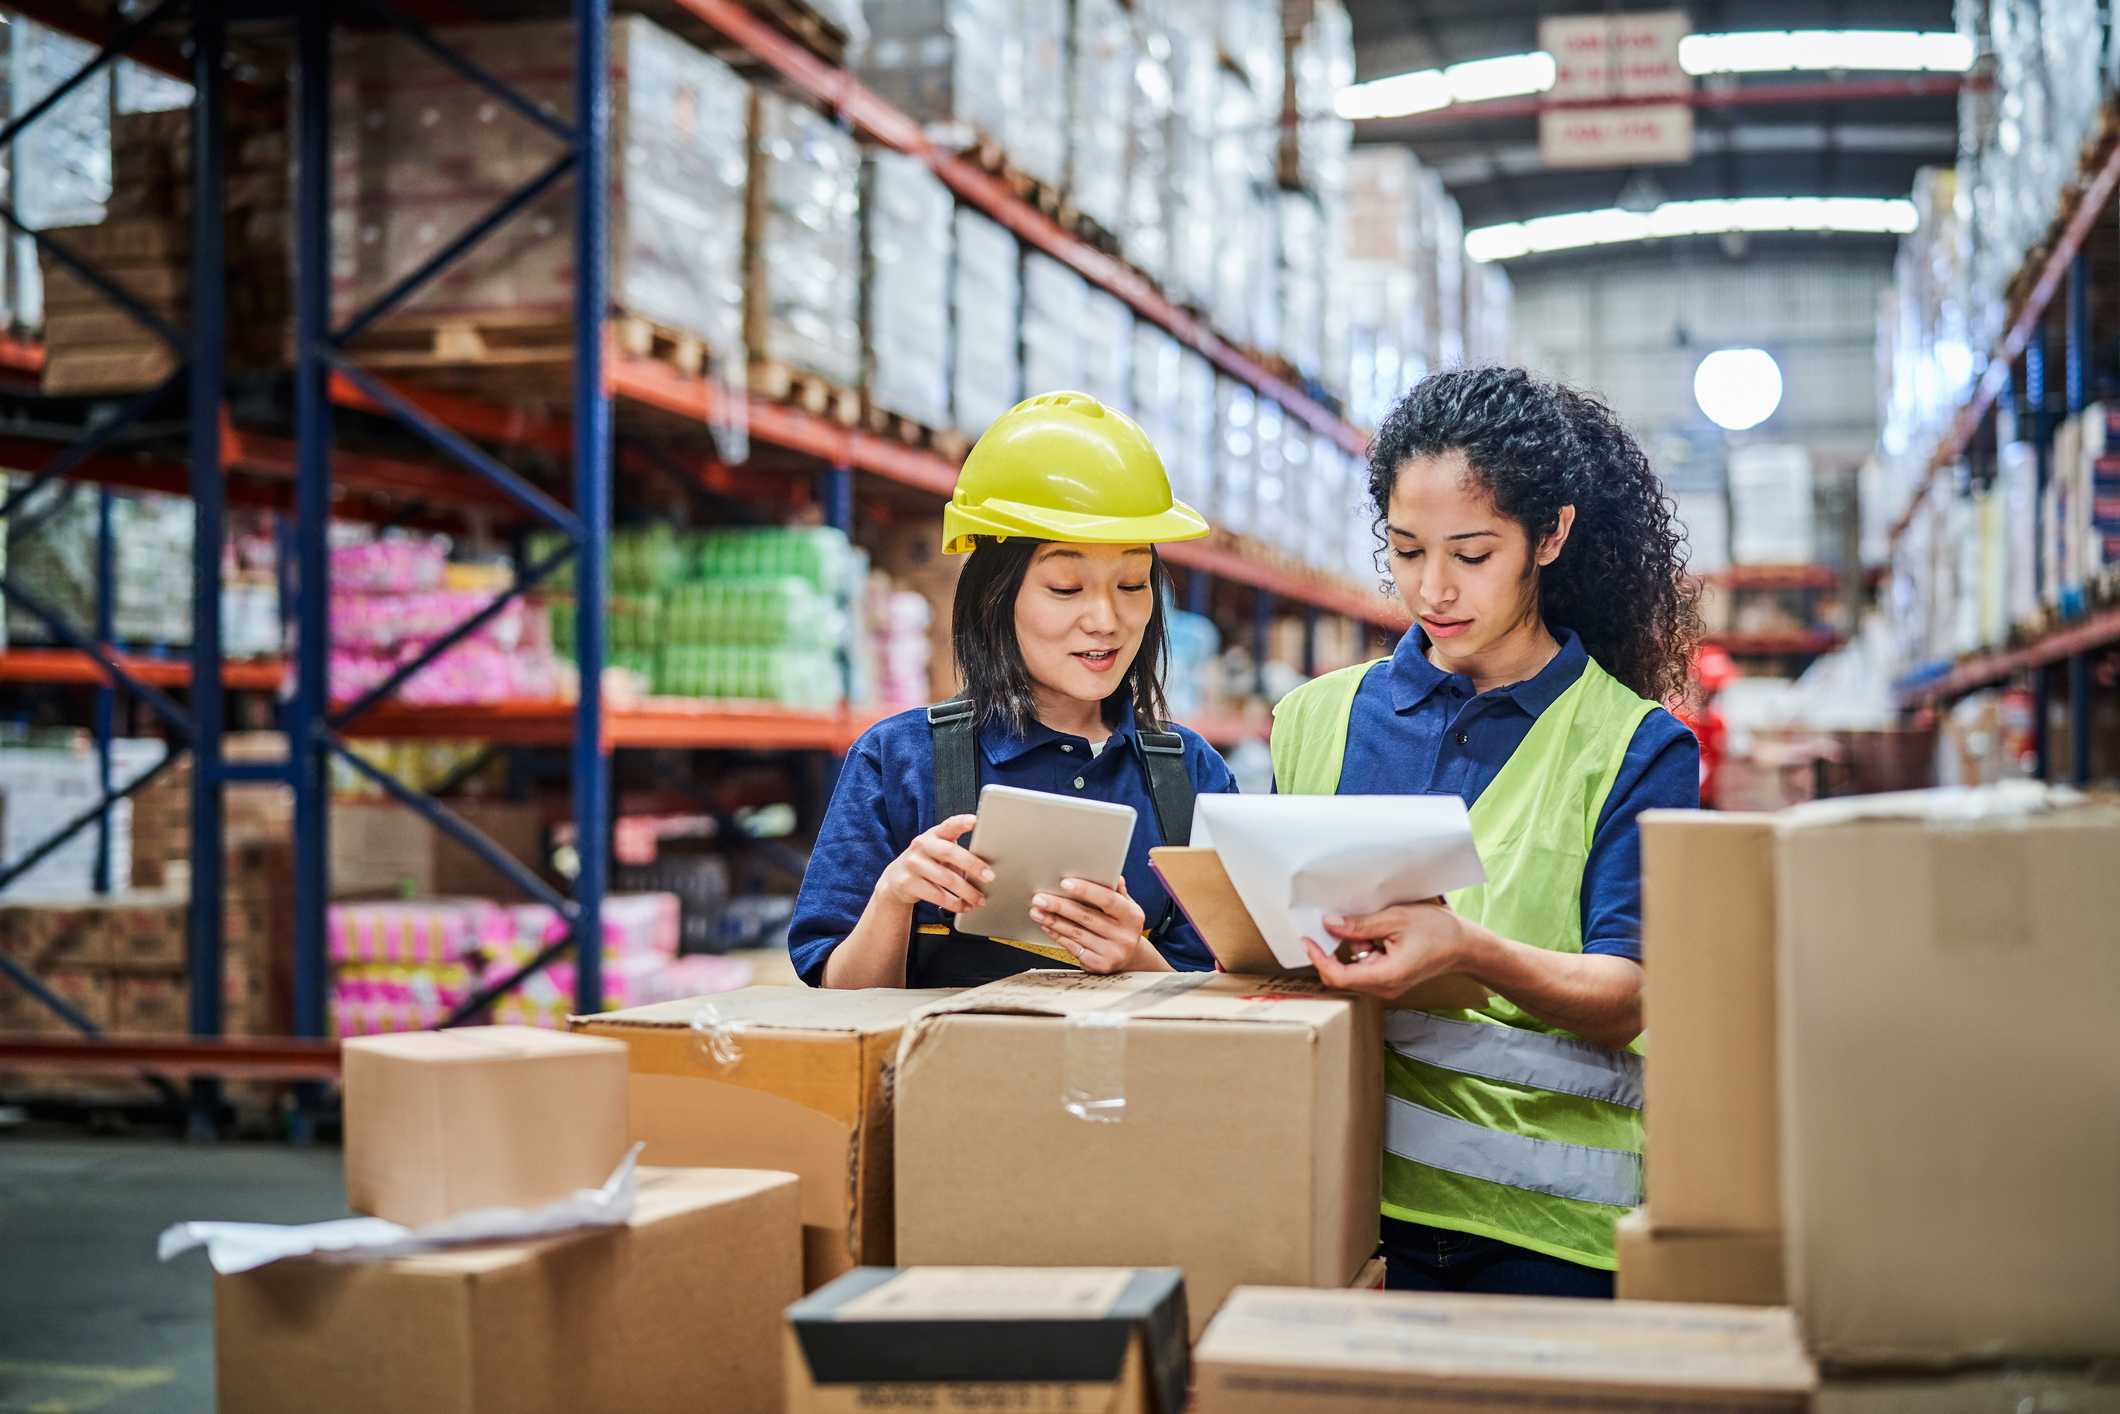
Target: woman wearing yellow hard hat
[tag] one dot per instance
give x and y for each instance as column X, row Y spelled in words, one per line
column 1059, row 637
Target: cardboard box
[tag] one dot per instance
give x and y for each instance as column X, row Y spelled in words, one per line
column 1728, row 1268
column 439, row 1122
column 677, row 1309
column 1276, row 1351
column 1225, row 1125
column 86, row 992
column 1036, row 1338
column 1950, row 1086
column 150, row 1004
column 2028, row 1388
column 1713, row 1144
column 382, row 849
column 1197, row 879
column 789, row 1078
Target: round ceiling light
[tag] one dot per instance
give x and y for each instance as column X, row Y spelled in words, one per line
column 1738, row 388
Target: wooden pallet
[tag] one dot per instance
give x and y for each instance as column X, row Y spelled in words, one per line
column 806, row 26
column 798, row 387
column 946, row 442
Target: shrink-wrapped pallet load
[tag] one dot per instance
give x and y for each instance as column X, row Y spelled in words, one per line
column 986, row 295
column 421, row 152
column 1054, row 298
column 1107, row 349
column 906, row 229
column 802, row 311
column 1100, row 120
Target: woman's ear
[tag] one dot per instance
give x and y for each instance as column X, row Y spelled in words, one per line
column 1550, row 548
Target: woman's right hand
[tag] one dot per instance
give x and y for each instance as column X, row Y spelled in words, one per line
column 936, row 869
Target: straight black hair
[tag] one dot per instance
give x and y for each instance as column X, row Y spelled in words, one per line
column 983, row 633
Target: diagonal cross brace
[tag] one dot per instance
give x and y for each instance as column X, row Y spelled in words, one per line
column 94, row 442
column 82, row 821
column 154, row 697
column 473, row 70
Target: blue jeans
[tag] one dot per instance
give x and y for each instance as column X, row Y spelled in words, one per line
column 1422, row 1258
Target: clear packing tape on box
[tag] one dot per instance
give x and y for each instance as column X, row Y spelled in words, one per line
column 239, row 1247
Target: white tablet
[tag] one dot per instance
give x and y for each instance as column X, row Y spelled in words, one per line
column 1033, row 839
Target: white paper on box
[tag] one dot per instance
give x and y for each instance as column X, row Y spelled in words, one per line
column 1295, row 858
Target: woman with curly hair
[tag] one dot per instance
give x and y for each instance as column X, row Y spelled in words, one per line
column 1535, row 549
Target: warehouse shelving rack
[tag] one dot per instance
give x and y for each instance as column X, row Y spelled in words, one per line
column 314, row 478
column 2057, row 281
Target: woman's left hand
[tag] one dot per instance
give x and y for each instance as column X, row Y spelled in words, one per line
column 1393, row 949
column 1099, row 927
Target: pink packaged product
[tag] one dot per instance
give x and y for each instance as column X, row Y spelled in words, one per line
column 418, row 931
column 547, row 999
column 634, row 925
column 353, row 1018
column 396, row 565
column 379, row 622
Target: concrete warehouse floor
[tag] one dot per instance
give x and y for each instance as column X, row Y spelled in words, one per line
column 89, row 1319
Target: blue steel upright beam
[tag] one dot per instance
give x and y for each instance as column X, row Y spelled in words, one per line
column 592, row 492
column 2077, row 385
column 106, row 710
column 208, row 347
column 308, row 758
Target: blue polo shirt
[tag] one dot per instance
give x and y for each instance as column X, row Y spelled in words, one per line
column 886, row 796
column 1417, row 730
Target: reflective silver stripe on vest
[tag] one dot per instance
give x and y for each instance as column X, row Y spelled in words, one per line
column 1609, row 1176
column 1522, row 1057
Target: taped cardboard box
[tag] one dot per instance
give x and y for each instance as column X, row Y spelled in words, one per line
column 1713, row 1144
column 1063, row 1119
column 1730, row 1268
column 440, row 1122
column 777, row 1077
column 679, row 1308
column 1950, row 1090
column 1110, row 1339
column 1276, row 1351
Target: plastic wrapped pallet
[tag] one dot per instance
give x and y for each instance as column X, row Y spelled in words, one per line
column 954, row 65
column 1490, row 322
column 1037, row 129
column 52, row 554
column 1291, row 520
column 1443, row 252
column 1244, row 212
column 906, row 226
column 1301, row 287
column 1314, row 147
column 1108, row 350
column 1144, row 229
column 1100, row 120
column 1054, row 298
column 1271, row 519
column 62, row 161
column 1232, row 501
column 1195, row 451
column 803, row 242
column 1331, row 514
column 420, row 152
column 986, row 295
column 1188, row 190
column 1250, row 33
column 1387, row 279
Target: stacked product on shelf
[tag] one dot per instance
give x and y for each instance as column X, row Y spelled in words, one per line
column 143, row 245
column 763, row 615
column 1106, row 50
column 802, row 241
column 1187, row 192
column 906, row 220
column 392, row 596
column 421, row 151
column 1054, row 299
column 986, row 297
column 1926, row 347
column 1107, row 347
column 953, row 66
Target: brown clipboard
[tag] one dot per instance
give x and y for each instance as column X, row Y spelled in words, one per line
column 1197, row 880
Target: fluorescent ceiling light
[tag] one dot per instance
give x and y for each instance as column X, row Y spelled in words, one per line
column 1894, row 216
column 1774, row 51
column 1510, row 76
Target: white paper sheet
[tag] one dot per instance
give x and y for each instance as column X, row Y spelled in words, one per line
column 1295, row 858
column 237, row 1247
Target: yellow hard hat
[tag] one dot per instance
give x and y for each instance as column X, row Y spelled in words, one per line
column 1063, row 466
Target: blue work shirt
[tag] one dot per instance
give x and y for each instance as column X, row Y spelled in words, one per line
column 1417, row 730
column 886, row 796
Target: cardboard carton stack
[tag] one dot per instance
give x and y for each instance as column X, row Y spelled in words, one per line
column 144, row 246
column 1038, row 1117
column 778, row 1078
column 683, row 1297
column 1940, row 1159
column 802, row 240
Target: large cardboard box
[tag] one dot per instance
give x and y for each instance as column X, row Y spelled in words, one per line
column 1109, row 1339
column 781, row 1078
column 677, row 1309
column 1275, row 1351
column 1729, row 1268
column 2044, row 1389
column 440, row 1122
column 1225, row 1125
column 382, row 849
column 1950, row 1082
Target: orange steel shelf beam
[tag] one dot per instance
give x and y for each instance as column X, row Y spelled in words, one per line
column 1762, row 644
column 841, row 93
column 276, row 1057
column 2097, row 631
column 65, row 666
column 674, row 722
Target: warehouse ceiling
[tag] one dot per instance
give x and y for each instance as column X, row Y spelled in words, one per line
column 1825, row 144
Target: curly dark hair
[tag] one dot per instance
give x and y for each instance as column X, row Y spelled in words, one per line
column 1535, row 447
